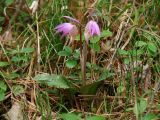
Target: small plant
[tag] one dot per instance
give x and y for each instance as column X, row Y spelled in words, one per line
column 91, row 29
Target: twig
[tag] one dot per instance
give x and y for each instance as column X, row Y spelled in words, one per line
column 38, row 44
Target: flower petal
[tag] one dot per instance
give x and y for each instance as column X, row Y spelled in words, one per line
column 93, row 28
column 72, row 19
column 66, row 29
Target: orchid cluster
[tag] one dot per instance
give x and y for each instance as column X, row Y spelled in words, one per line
column 91, row 29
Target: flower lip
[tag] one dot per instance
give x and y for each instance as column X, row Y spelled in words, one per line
column 72, row 19
column 92, row 28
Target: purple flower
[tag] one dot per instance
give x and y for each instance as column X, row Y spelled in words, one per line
column 92, row 28
column 67, row 29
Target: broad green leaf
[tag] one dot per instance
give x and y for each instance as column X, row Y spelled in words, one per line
column 69, row 116
column 71, row 63
column 95, row 118
column 18, row 89
column 152, row 48
column 64, row 53
column 57, row 81
column 76, row 54
column 2, row 95
column 68, row 49
column 122, row 52
column 43, row 77
column 12, row 76
column 95, row 47
column 19, row 58
column 3, row 86
column 126, row 61
column 142, row 105
column 136, row 52
column 140, row 43
column 106, row 33
column 3, row 64
column 90, row 89
column 148, row 36
column 8, row 2
column 150, row 116
column 27, row 50
column 95, row 39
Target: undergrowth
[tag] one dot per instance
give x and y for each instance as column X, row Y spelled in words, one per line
column 41, row 71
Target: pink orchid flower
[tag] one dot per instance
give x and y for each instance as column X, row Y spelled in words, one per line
column 91, row 29
column 67, row 29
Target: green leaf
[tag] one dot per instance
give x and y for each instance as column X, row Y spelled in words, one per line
column 106, row 33
column 140, row 43
column 135, row 110
column 18, row 89
column 71, row 63
column 78, row 37
column 142, row 105
column 3, row 64
column 8, row 2
column 43, row 77
column 70, row 116
column 19, row 58
column 95, row 118
column 90, row 89
column 1, row 19
column 148, row 36
column 76, row 54
column 105, row 74
column 63, row 53
column 136, row 52
column 122, row 52
column 120, row 89
column 152, row 48
column 126, row 61
column 57, row 81
column 27, row 50
column 2, row 95
column 3, row 86
column 66, row 52
column 68, row 49
column 150, row 116
column 95, row 47
column 95, row 39
column 12, row 76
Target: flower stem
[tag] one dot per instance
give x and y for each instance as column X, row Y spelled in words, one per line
column 83, row 58
column 83, row 63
